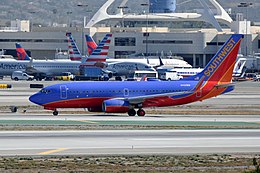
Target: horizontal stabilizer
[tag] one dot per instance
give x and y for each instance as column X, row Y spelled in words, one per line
column 219, row 86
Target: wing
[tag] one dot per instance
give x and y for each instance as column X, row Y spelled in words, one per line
column 141, row 99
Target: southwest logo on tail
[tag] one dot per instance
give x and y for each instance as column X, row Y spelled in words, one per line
column 127, row 96
column 21, row 53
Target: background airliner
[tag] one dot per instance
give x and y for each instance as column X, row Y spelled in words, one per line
column 26, row 64
column 166, row 63
column 122, row 97
column 99, row 57
column 238, row 70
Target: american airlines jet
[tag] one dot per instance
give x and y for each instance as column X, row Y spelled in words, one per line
column 167, row 63
column 99, row 57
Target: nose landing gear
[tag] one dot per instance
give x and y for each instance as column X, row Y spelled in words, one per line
column 55, row 113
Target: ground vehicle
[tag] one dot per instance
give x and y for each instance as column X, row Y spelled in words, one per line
column 91, row 73
column 19, row 75
column 257, row 77
column 138, row 74
column 169, row 75
column 65, row 76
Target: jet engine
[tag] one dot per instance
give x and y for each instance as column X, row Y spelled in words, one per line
column 115, row 106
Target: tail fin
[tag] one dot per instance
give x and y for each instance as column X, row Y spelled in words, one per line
column 21, row 53
column 239, row 66
column 91, row 44
column 74, row 52
column 221, row 66
column 101, row 52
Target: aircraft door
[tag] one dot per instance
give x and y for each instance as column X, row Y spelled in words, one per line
column 126, row 92
column 63, row 91
column 199, row 93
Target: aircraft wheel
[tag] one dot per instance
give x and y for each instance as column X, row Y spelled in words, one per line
column 131, row 112
column 141, row 112
column 55, row 113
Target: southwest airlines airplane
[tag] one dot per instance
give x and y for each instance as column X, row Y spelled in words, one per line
column 126, row 96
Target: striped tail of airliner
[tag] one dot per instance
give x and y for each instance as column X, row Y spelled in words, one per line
column 21, row 53
column 74, row 52
column 91, row 44
column 100, row 54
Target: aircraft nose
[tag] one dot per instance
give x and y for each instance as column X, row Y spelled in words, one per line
column 35, row 98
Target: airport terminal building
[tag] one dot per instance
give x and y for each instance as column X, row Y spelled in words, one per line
column 195, row 45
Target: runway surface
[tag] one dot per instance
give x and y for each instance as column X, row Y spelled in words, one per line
column 113, row 142
column 213, row 121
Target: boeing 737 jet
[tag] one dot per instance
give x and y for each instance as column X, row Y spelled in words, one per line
column 126, row 96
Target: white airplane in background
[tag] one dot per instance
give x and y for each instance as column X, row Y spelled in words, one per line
column 39, row 68
column 167, row 63
column 237, row 72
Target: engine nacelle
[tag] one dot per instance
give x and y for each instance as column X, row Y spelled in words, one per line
column 115, row 106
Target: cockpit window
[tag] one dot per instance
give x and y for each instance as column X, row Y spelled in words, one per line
column 46, row 91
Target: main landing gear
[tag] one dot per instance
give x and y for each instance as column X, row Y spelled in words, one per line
column 140, row 112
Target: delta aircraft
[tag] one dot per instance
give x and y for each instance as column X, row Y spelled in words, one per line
column 126, row 96
column 27, row 64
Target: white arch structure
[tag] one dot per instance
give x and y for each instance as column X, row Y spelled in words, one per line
column 207, row 15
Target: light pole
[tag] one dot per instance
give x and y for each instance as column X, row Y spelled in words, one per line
column 122, row 11
column 245, row 5
column 82, row 29
column 32, row 13
column 69, row 13
column 146, row 32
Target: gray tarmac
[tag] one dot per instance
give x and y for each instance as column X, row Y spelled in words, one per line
column 111, row 142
